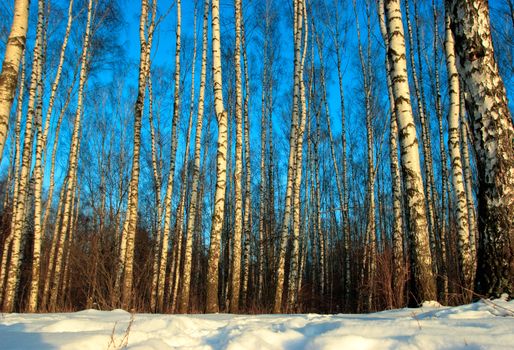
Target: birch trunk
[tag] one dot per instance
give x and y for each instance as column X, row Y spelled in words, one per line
column 470, row 201
column 193, row 205
column 158, row 202
column 183, row 186
column 455, row 156
column 298, row 23
column 212, row 304
column 445, row 204
column 73, row 160
column 38, row 185
column 17, row 154
column 398, row 279
column 493, row 131
column 57, row 78
column 238, row 174
column 51, row 185
column 247, row 223
column 171, row 176
column 18, row 217
column 130, row 226
column 14, row 49
column 292, row 305
column 416, row 213
column 425, row 132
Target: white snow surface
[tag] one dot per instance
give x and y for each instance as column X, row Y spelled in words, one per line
column 481, row 325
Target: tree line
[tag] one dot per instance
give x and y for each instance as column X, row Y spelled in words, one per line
column 364, row 162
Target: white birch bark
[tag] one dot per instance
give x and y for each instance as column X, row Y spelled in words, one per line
column 171, row 176
column 14, row 49
column 38, row 185
column 398, row 235
column 493, row 133
column 466, row 262
column 72, row 162
column 416, row 213
column 425, row 131
column 247, row 221
column 193, row 205
column 179, row 233
column 284, row 233
column 18, row 217
column 212, row 304
column 470, row 201
column 238, row 173
column 16, row 161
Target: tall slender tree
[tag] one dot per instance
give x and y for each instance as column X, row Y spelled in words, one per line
column 10, row 67
column 421, row 258
column 493, row 132
column 212, row 304
column 466, row 261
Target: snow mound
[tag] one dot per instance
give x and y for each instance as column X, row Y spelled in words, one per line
column 482, row 325
column 431, row 303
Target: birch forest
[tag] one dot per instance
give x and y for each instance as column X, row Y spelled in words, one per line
column 255, row 156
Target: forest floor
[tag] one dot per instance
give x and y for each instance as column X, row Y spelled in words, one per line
column 481, row 325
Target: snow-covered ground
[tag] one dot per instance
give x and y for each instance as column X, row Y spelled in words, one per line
column 482, row 325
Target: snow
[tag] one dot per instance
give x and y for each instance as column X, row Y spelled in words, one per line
column 481, row 325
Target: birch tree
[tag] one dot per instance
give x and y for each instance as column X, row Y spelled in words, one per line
column 238, row 175
column 10, row 67
column 69, row 189
column 193, row 204
column 398, row 235
column 493, row 132
column 456, row 159
column 293, row 141
column 19, row 214
column 409, row 148
column 171, row 175
column 125, row 272
column 212, row 304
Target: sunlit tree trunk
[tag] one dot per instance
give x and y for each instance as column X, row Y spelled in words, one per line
column 72, row 162
column 19, row 213
column 58, row 74
column 416, row 211
column 295, row 251
column 398, row 279
column 125, row 268
column 456, row 160
column 51, row 181
column 238, row 174
column 466, row 165
column 425, row 131
column 171, row 175
column 294, row 137
column 14, row 49
column 38, row 184
column 442, row 262
column 247, row 223
column 157, row 178
column 193, row 205
column 16, row 175
column 53, row 247
column 493, row 132
column 212, row 304
column 177, row 298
